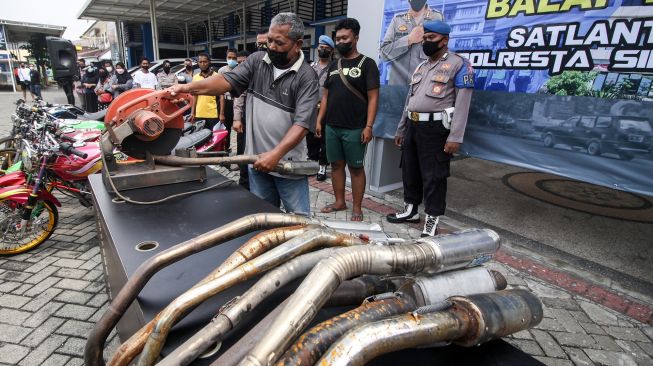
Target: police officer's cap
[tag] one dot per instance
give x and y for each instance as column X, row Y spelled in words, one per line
column 326, row 40
column 437, row 26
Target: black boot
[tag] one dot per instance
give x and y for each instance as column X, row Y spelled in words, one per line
column 409, row 214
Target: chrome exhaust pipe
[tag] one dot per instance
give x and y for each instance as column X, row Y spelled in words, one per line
column 251, row 249
column 418, row 292
column 234, row 313
column 469, row 321
column 431, row 255
column 284, row 167
column 193, row 297
column 93, row 352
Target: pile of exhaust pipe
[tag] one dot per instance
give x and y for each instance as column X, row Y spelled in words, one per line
column 423, row 293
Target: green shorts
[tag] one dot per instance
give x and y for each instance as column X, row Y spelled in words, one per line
column 345, row 144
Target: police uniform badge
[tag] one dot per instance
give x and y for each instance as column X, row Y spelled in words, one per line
column 446, row 66
column 437, row 89
column 354, row 72
column 403, row 28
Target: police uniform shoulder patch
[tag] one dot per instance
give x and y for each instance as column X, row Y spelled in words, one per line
column 465, row 76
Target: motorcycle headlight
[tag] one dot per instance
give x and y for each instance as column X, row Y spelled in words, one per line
column 27, row 158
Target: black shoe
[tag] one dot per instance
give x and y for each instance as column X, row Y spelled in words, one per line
column 430, row 226
column 321, row 175
column 409, row 214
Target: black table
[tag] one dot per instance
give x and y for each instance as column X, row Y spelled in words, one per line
column 122, row 226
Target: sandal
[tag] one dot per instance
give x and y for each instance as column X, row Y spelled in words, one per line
column 330, row 208
column 356, row 217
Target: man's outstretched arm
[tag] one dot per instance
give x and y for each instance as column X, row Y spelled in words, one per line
column 214, row 85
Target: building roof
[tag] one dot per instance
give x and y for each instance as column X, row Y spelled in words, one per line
column 167, row 11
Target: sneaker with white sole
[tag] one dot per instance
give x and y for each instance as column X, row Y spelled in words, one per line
column 321, row 174
column 430, row 226
column 409, row 214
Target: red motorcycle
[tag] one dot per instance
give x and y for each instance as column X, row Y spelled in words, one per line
column 28, row 210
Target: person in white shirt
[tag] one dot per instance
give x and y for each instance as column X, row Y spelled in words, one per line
column 143, row 78
column 24, row 80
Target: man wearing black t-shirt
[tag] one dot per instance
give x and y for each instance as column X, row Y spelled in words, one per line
column 351, row 92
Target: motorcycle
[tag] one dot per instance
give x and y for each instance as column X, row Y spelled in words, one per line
column 28, row 210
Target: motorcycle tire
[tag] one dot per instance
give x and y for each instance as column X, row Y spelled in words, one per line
column 7, row 142
column 44, row 220
column 7, row 158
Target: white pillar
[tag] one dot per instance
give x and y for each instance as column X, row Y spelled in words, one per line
column 187, row 41
column 210, row 38
column 155, row 31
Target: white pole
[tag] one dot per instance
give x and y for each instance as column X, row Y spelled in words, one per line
column 187, row 40
column 209, row 39
column 155, row 31
column 11, row 67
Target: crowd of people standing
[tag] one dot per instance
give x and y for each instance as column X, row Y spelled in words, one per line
column 326, row 111
column 283, row 107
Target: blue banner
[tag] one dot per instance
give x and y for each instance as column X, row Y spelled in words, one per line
column 562, row 86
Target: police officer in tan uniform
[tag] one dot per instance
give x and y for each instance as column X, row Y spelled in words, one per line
column 401, row 44
column 432, row 126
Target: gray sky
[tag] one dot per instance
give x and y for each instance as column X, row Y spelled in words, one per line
column 53, row 12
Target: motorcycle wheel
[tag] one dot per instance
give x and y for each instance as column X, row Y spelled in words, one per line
column 7, row 142
column 7, row 158
column 41, row 225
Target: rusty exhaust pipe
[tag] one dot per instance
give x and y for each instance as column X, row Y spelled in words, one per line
column 186, row 353
column 354, row 292
column 284, row 167
column 431, row 255
column 469, row 321
column 231, row 316
column 93, row 353
column 418, row 292
column 193, row 297
column 258, row 244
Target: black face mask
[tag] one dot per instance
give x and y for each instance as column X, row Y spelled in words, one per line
column 431, row 48
column 166, row 69
column 145, row 68
column 417, row 5
column 344, row 48
column 189, row 67
column 323, row 53
column 279, row 59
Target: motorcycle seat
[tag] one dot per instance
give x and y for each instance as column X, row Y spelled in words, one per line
column 97, row 116
column 194, row 139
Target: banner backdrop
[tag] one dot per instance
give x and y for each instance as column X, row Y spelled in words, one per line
column 562, row 86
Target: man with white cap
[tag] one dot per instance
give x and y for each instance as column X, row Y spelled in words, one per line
column 315, row 145
column 430, row 132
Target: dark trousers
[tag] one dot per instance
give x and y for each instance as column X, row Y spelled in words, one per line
column 67, row 86
column 91, row 102
column 210, row 123
column 317, row 147
column 36, row 90
column 425, row 166
column 243, row 180
column 228, row 119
